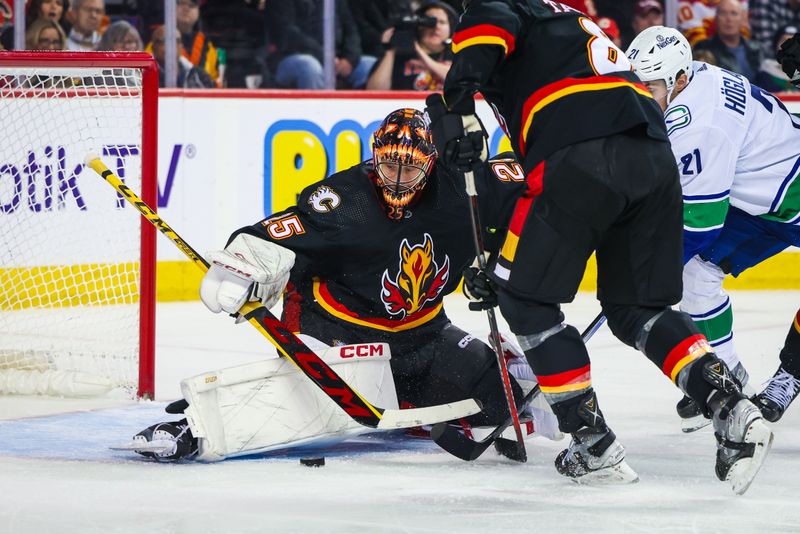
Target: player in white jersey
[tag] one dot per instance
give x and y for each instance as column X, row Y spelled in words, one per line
column 738, row 153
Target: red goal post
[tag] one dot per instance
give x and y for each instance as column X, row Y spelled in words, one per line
column 75, row 260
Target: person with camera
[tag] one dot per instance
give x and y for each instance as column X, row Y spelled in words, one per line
column 418, row 53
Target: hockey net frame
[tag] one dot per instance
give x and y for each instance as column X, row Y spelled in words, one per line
column 148, row 92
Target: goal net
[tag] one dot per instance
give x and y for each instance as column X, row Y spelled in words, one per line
column 76, row 264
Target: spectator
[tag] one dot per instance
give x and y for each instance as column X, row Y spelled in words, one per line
column 374, row 18
column 767, row 17
column 418, row 57
column 45, row 34
column 238, row 27
column 121, row 37
column 770, row 76
column 196, row 47
column 87, row 15
column 54, row 10
column 732, row 51
column 610, row 28
column 297, row 30
column 647, row 13
column 189, row 76
column 696, row 19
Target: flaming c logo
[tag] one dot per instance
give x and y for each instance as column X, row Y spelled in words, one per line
column 419, row 279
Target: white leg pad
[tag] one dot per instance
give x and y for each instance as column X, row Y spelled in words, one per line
column 271, row 405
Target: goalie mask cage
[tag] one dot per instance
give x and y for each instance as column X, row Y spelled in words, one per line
column 77, row 265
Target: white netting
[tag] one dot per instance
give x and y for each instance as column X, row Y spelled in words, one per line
column 69, row 247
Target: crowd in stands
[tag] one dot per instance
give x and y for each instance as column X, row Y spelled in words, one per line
column 379, row 44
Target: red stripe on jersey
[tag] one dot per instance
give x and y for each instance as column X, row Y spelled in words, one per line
column 523, row 206
column 481, row 31
column 566, row 87
column 330, row 304
column 567, row 377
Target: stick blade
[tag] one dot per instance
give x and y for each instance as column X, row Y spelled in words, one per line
column 429, row 415
column 456, row 443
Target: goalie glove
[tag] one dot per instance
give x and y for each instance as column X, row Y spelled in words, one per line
column 478, row 288
column 250, row 268
column 789, row 58
column 460, row 139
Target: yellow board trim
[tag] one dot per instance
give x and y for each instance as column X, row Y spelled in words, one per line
column 567, row 387
column 180, row 281
column 479, row 40
column 781, row 271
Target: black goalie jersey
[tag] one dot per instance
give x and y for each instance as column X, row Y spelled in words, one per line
column 383, row 279
column 551, row 74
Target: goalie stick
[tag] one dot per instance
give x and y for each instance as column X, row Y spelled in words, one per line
column 456, row 443
column 290, row 346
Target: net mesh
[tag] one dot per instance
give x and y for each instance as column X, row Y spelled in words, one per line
column 69, row 246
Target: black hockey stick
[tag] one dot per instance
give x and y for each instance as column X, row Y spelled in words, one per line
column 451, row 439
column 290, row 346
column 494, row 332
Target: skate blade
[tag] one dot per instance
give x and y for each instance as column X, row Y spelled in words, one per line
column 157, row 446
column 693, row 424
column 742, row 473
column 620, row 473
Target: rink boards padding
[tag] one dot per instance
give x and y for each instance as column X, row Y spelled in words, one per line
column 228, row 158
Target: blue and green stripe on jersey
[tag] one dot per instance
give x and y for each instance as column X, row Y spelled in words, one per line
column 703, row 213
column 716, row 324
column 785, row 207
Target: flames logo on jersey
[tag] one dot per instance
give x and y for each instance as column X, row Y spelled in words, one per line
column 419, row 279
column 323, row 199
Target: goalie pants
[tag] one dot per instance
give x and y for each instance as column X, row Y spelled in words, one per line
column 619, row 197
column 432, row 365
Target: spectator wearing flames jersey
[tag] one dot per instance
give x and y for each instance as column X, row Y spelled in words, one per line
column 696, row 19
column 600, row 177
column 377, row 247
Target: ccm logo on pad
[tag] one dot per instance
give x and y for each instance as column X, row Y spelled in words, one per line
column 361, row 351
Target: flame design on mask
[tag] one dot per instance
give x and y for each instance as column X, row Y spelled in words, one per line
column 403, row 138
column 419, row 279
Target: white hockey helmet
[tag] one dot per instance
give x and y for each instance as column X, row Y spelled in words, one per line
column 660, row 53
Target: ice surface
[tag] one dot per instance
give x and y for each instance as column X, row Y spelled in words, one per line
column 57, row 475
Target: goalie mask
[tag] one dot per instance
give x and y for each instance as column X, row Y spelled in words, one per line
column 403, row 154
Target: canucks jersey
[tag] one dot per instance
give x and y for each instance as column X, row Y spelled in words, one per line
column 735, row 145
column 381, row 277
column 550, row 73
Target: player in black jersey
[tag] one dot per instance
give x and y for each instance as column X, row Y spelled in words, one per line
column 367, row 256
column 601, row 178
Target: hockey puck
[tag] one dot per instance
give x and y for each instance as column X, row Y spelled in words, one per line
column 313, row 462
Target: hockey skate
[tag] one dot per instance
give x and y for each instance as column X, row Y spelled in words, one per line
column 743, row 439
column 164, row 442
column 781, row 390
column 595, row 457
column 692, row 417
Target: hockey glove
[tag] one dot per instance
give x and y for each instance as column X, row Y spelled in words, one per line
column 460, row 139
column 789, row 58
column 250, row 268
column 479, row 289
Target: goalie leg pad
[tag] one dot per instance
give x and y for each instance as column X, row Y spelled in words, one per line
column 270, row 405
